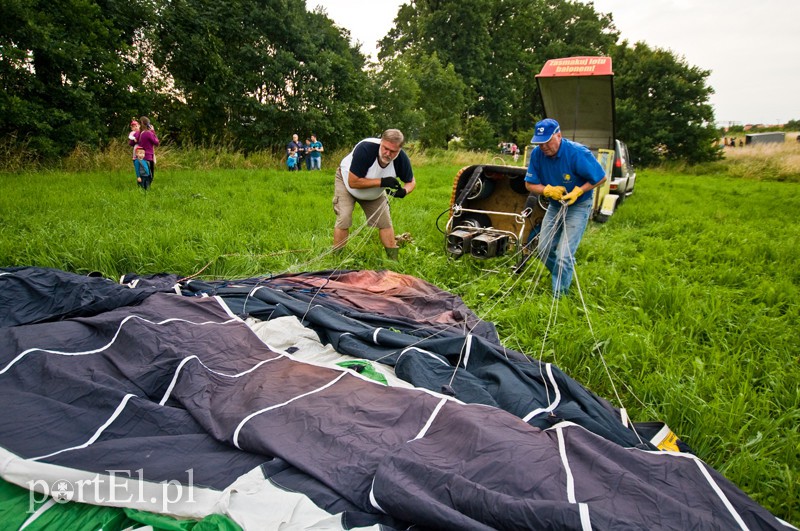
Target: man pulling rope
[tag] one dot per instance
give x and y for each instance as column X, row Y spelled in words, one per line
column 374, row 165
column 566, row 172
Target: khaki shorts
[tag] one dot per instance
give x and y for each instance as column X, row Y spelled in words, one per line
column 376, row 210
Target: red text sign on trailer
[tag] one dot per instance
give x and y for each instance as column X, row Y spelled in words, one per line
column 577, row 66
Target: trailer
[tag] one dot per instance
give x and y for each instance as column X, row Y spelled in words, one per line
column 491, row 211
column 578, row 92
column 764, row 138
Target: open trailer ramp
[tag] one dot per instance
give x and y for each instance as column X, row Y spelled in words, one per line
column 491, row 211
column 578, row 92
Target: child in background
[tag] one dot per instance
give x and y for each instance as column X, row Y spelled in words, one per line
column 142, row 168
column 132, row 138
column 292, row 161
column 146, row 138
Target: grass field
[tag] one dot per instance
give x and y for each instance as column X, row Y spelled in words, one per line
column 691, row 290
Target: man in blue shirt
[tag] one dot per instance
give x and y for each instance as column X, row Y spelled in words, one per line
column 315, row 154
column 566, row 172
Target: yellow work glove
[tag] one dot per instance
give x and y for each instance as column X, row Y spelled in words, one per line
column 554, row 192
column 573, row 195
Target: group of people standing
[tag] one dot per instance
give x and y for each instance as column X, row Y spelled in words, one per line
column 310, row 152
column 732, row 142
column 144, row 140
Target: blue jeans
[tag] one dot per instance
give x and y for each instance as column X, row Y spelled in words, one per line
column 559, row 239
column 316, row 163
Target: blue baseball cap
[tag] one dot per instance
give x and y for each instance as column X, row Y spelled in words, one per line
column 544, row 131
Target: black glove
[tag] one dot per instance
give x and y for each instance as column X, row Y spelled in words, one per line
column 400, row 193
column 390, row 182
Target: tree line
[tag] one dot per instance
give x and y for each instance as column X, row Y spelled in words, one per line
column 249, row 73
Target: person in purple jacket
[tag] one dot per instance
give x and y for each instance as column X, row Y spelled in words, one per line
column 147, row 139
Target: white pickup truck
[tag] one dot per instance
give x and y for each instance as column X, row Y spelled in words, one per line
column 623, row 175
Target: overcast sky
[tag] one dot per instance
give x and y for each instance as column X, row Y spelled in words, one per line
column 751, row 47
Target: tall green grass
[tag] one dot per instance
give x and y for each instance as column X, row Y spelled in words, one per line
column 691, row 289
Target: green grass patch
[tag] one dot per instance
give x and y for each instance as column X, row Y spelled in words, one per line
column 691, row 288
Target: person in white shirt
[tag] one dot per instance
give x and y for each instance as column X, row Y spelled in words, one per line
column 375, row 166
